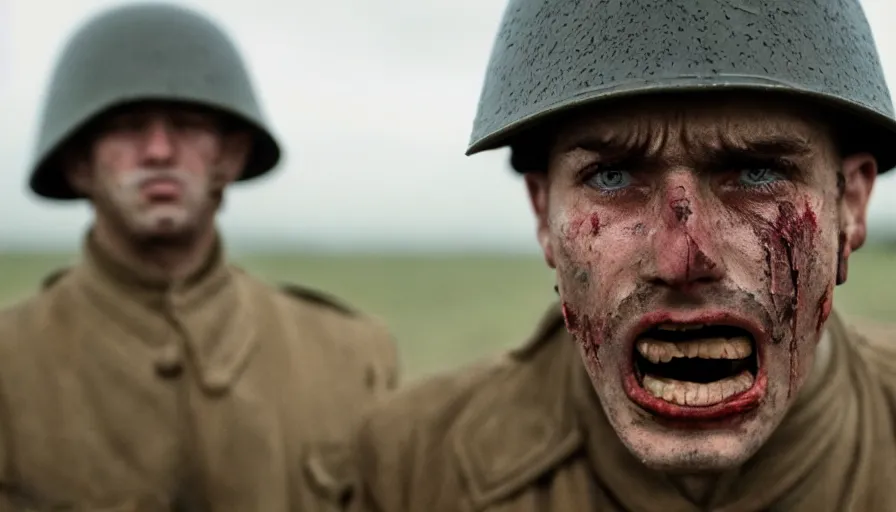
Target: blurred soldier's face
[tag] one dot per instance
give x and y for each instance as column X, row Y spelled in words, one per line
column 697, row 246
column 158, row 172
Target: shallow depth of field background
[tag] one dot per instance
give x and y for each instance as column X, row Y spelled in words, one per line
column 449, row 310
column 374, row 201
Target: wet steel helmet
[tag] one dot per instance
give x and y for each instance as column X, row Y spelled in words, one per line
column 551, row 56
column 144, row 52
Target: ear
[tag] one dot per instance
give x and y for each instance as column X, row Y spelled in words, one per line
column 235, row 149
column 859, row 174
column 538, row 187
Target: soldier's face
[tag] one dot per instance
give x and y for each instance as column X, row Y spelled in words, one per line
column 158, row 171
column 697, row 246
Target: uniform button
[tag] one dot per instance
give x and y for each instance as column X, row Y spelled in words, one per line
column 169, row 365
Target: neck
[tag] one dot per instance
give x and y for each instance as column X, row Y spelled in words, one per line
column 175, row 260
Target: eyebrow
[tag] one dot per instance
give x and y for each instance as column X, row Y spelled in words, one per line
column 608, row 146
column 776, row 146
column 773, row 146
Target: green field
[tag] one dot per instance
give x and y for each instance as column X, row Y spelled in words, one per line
column 446, row 311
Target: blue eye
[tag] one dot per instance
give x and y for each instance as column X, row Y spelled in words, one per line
column 610, row 180
column 759, row 176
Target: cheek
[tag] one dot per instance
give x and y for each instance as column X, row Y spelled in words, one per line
column 201, row 153
column 799, row 247
column 596, row 254
column 114, row 158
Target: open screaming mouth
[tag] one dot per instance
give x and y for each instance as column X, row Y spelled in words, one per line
column 695, row 365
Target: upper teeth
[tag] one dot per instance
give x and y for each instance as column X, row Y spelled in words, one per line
column 657, row 351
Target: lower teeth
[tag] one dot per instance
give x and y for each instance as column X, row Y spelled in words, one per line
column 696, row 394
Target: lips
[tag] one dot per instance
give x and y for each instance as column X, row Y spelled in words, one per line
column 161, row 188
column 696, row 366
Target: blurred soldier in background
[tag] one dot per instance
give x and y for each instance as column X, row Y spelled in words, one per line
column 153, row 375
column 700, row 173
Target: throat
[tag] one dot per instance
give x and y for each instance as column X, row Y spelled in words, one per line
column 155, row 260
column 698, row 489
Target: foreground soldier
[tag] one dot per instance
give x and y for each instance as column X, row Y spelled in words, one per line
column 700, row 172
column 155, row 376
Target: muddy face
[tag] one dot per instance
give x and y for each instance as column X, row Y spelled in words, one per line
column 697, row 246
column 157, row 172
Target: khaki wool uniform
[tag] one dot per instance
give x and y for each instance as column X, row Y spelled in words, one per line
column 526, row 433
column 121, row 393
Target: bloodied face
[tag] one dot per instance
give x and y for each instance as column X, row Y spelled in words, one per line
column 156, row 172
column 697, row 245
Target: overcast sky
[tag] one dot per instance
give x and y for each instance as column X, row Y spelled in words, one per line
column 373, row 101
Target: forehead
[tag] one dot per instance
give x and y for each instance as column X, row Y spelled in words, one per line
column 714, row 122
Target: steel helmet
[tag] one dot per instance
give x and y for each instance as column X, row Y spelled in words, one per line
column 551, row 56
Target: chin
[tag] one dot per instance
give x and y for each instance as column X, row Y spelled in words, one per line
column 160, row 226
column 711, row 449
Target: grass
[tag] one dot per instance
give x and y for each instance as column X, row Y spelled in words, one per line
column 448, row 311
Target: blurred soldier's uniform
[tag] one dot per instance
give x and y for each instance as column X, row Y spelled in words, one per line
column 124, row 388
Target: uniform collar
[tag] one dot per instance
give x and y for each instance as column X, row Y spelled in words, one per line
column 207, row 322
column 148, row 284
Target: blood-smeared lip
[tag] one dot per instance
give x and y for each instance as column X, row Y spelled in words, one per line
column 161, row 188
column 699, row 366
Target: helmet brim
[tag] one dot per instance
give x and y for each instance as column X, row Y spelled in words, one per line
column 48, row 179
column 878, row 130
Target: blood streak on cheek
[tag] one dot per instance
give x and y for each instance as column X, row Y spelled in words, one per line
column 595, row 224
column 586, row 332
column 789, row 242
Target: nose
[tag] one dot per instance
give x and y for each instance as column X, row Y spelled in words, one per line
column 158, row 143
column 684, row 249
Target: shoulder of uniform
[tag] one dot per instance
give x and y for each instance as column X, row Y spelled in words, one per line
column 431, row 404
column 317, row 298
column 411, row 428
column 502, row 423
column 17, row 318
column 33, row 303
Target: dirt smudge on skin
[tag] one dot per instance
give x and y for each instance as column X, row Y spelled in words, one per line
column 682, row 210
column 582, row 276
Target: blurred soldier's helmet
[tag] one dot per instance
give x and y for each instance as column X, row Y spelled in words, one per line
column 144, row 52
